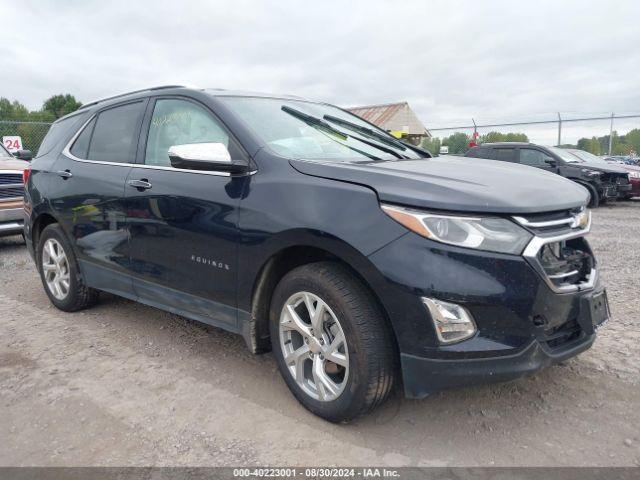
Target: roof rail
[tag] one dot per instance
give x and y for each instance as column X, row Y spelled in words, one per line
column 95, row 102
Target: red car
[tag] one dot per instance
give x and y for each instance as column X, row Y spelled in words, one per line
column 634, row 178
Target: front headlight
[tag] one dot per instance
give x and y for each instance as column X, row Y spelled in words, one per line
column 482, row 233
column 591, row 173
column 634, row 174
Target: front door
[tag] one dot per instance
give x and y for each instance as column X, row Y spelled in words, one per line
column 183, row 223
column 90, row 179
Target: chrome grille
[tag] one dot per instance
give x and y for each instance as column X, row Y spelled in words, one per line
column 12, row 191
column 558, row 251
column 10, row 178
column 566, row 262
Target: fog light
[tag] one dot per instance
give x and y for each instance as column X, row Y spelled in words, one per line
column 453, row 322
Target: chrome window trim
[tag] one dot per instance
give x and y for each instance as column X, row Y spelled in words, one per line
column 531, row 255
column 67, row 153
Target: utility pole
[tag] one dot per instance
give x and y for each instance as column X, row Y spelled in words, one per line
column 611, row 135
column 559, row 129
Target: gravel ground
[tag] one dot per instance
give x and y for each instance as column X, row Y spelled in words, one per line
column 124, row 384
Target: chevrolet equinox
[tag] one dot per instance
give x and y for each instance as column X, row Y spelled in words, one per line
column 360, row 261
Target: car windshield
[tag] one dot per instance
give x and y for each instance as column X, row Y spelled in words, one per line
column 298, row 129
column 4, row 153
column 586, row 156
column 565, row 155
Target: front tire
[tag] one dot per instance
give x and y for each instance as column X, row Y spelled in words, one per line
column 333, row 345
column 59, row 272
column 595, row 200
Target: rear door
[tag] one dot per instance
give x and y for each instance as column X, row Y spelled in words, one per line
column 183, row 223
column 89, row 200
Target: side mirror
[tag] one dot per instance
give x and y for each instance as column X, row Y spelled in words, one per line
column 551, row 162
column 24, row 155
column 204, row 156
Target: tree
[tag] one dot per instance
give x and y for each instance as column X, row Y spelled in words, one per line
column 61, row 105
column 632, row 138
column 493, row 137
column 432, row 145
column 591, row 145
column 458, row 143
column 12, row 110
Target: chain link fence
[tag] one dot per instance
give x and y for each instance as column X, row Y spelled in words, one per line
column 31, row 133
column 564, row 129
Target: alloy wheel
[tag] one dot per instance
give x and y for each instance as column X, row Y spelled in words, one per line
column 314, row 347
column 55, row 267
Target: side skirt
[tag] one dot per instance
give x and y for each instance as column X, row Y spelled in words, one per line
column 148, row 293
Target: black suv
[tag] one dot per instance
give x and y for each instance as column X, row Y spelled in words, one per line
column 360, row 261
column 604, row 182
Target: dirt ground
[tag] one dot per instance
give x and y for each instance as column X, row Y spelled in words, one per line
column 124, row 384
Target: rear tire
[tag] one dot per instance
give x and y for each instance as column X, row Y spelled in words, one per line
column 366, row 363
column 59, row 272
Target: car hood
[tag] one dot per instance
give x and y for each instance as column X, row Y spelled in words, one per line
column 457, row 183
column 601, row 167
column 13, row 164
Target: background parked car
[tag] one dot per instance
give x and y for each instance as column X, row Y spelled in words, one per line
column 603, row 181
column 621, row 159
column 11, row 193
column 624, row 188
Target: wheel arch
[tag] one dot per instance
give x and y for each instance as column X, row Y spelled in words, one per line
column 282, row 261
column 41, row 221
column 591, row 188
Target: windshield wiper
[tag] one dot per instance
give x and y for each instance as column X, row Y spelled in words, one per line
column 366, row 131
column 322, row 125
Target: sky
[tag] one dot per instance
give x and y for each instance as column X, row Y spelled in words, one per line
column 493, row 61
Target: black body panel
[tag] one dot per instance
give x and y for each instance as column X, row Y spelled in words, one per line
column 200, row 244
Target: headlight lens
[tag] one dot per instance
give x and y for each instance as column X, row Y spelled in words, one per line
column 483, row 233
column 591, row 173
column 582, row 219
column 634, row 174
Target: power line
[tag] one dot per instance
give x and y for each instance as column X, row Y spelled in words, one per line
column 536, row 122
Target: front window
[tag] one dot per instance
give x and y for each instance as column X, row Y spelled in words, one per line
column 565, row 155
column 311, row 131
column 180, row 122
column 534, row 158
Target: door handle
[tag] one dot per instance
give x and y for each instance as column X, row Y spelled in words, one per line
column 142, row 184
column 64, row 174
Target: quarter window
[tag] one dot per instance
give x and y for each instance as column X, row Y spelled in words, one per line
column 534, row 158
column 114, row 137
column 181, row 122
column 57, row 131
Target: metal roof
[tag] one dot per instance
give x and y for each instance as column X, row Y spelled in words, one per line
column 391, row 116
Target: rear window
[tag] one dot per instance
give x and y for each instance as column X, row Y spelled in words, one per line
column 57, row 132
column 114, row 136
column 504, row 154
